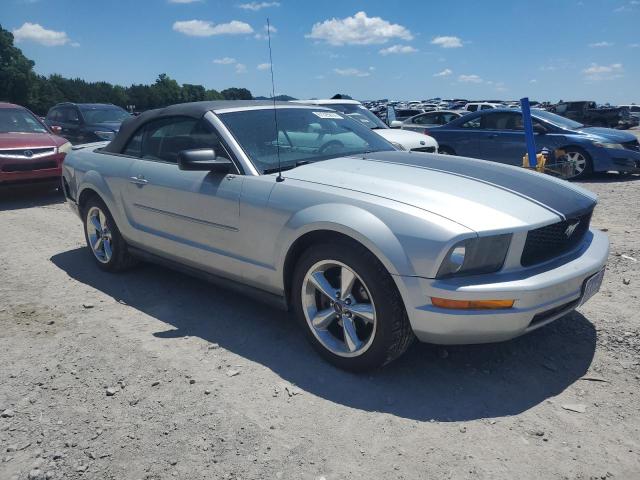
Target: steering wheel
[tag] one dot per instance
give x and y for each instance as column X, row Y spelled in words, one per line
column 331, row 147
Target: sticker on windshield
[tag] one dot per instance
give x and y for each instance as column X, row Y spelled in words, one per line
column 327, row 115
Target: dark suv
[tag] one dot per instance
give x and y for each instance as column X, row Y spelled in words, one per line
column 86, row 122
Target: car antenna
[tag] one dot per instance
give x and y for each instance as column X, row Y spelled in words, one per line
column 279, row 178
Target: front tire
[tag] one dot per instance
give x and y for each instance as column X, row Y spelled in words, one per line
column 349, row 307
column 103, row 238
column 576, row 164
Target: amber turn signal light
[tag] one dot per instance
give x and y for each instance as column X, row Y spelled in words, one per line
column 471, row 304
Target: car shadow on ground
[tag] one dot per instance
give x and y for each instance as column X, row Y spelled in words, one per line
column 610, row 177
column 17, row 198
column 428, row 382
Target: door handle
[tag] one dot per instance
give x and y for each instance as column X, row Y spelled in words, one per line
column 138, row 180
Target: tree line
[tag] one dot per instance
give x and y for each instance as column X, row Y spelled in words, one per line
column 20, row 84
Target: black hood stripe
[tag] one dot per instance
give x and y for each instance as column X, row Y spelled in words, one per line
column 557, row 198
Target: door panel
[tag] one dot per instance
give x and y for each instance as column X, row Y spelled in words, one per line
column 188, row 216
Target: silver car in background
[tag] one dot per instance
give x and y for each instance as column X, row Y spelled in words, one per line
column 370, row 247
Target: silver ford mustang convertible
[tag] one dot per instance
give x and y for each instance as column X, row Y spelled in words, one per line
column 370, row 247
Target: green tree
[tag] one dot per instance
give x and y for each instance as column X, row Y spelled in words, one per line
column 236, row 94
column 16, row 71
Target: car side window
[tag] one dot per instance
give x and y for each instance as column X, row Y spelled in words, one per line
column 473, row 123
column 134, row 145
column 472, row 108
column 503, row 121
column 70, row 115
column 486, row 107
column 448, row 117
column 423, row 120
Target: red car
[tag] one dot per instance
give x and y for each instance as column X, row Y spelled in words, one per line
column 30, row 152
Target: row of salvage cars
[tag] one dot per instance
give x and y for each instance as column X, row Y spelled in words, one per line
column 368, row 243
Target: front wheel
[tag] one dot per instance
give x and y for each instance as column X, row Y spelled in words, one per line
column 349, row 307
column 103, row 238
column 575, row 164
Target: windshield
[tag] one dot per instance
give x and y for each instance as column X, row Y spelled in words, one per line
column 557, row 120
column 360, row 113
column 93, row 115
column 304, row 135
column 18, row 120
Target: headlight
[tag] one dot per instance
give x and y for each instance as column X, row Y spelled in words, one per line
column 66, row 148
column 615, row 146
column 398, row 146
column 105, row 135
column 475, row 256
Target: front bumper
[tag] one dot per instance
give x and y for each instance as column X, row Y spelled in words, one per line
column 542, row 294
column 626, row 160
column 24, row 171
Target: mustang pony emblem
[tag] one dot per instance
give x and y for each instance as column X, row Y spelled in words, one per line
column 571, row 228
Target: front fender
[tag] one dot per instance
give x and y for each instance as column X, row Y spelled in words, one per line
column 352, row 221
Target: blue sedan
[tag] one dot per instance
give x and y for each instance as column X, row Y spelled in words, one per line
column 498, row 135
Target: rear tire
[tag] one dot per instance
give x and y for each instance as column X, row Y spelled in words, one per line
column 108, row 248
column 349, row 306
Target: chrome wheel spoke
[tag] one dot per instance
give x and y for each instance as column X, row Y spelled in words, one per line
column 95, row 221
column 322, row 285
column 324, row 318
column 97, row 245
column 106, row 246
column 103, row 220
column 364, row 311
column 351, row 339
column 347, row 279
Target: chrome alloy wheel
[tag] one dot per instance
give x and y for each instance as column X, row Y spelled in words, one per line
column 99, row 235
column 576, row 163
column 338, row 308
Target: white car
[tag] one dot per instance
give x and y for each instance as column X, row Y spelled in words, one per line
column 401, row 139
column 475, row 106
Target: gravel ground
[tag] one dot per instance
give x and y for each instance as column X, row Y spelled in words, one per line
column 152, row 375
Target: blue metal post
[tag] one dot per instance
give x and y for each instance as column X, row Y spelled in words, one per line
column 528, row 131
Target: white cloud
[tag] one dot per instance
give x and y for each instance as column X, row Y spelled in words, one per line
column 264, row 66
column 603, row 72
column 202, row 28
column 241, row 68
column 469, row 79
column 352, row 72
column 358, row 30
column 398, row 49
column 447, row 42
column 533, row 80
column 601, row 44
column 225, row 61
column 444, row 73
column 255, row 6
column 264, row 36
column 183, row 1
column 35, row 32
column 634, row 45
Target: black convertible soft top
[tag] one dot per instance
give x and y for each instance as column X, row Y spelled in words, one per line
column 193, row 109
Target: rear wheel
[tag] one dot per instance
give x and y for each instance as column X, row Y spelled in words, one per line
column 349, row 307
column 103, row 238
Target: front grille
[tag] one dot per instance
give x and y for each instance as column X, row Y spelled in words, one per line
column 424, row 149
column 553, row 240
column 27, row 152
column 28, row 167
column 632, row 145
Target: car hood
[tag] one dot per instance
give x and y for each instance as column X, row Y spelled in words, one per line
column 105, row 126
column 483, row 196
column 20, row 140
column 408, row 140
column 609, row 134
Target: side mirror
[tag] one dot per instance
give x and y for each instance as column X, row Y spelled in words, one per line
column 203, row 159
column 396, row 124
column 57, row 129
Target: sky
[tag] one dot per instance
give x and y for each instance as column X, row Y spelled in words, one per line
column 373, row 49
